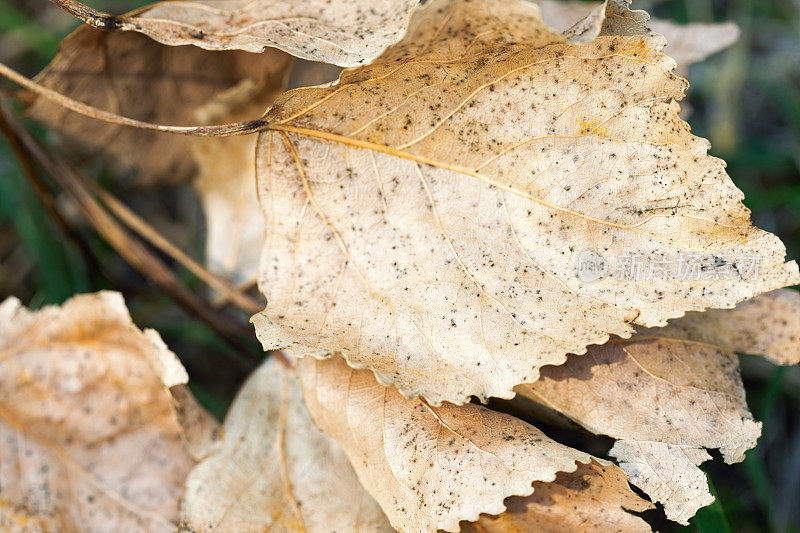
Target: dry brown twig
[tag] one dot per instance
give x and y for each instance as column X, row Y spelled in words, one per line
column 128, row 246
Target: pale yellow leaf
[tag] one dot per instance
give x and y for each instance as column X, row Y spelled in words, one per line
column 226, row 180
column 668, row 474
column 767, row 325
column 428, row 467
column 342, row 32
column 12, row 521
column 669, row 393
column 692, row 43
column 275, row 471
column 199, row 429
column 426, row 213
column 90, row 442
column 130, row 74
column 686, row 43
column 594, row 498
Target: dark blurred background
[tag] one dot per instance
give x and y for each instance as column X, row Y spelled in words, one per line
column 746, row 100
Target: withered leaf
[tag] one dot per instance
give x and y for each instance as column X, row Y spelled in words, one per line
column 428, row 467
column 275, row 471
column 343, row 32
column 767, row 325
column 594, row 498
column 692, row 43
column 226, row 182
column 133, row 75
column 686, row 43
column 80, row 390
column 669, row 393
column 425, row 214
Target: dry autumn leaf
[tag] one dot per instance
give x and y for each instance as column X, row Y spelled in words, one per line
column 691, row 43
column 90, row 441
column 426, row 213
column 669, row 393
column 275, row 471
column 686, row 43
column 226, row 182
column 130, row 74
column 343, row 32
column 767, row 325
column 428, row 467
column 595, row 498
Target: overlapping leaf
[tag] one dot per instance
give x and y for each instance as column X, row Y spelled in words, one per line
column 594, row 498
column 275, row 471
column 428, row 467
column 343, row 32
column 425, row 214
column 686, row 43
column 135, row 76
column 669, row 393
column 89, row 438
column 226, row 182
column 768, row 325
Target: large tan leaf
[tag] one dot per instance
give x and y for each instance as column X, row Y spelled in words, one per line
column 135, row 76
column 90, row 442
column 275, row 471
column 425, row 214
column 428, row 467
column 669, row 393
column 594, row 498
column 342, row 32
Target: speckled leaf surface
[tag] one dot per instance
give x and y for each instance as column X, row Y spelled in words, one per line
column 668, row 394
column 426, row 213
column 767, row 325
column 80, row 392
column 428, row 467
column 686, row 43
column 595, row 498
column 342, row 32
column 275, row 471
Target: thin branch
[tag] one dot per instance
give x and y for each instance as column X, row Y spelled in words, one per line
column 41, row 190
column 91, row 16
column 150, row 234
column 221, row 130
column 221, row 300
column 128, row 246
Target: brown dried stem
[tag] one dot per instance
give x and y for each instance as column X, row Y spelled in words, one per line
column 150, row 234
column 126, row 245
column 222, row 130
column 91, row 16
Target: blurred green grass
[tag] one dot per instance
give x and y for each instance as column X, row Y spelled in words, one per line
column 746, row 100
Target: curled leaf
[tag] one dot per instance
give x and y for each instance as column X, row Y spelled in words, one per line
column 345, row 32
column 78, row 391
column 275, row 471
column 135, row 76
column 427, row 214
column 428, row 467
column 686, row 43
column 669, row 393
column 594, row 498
column 692, row 43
